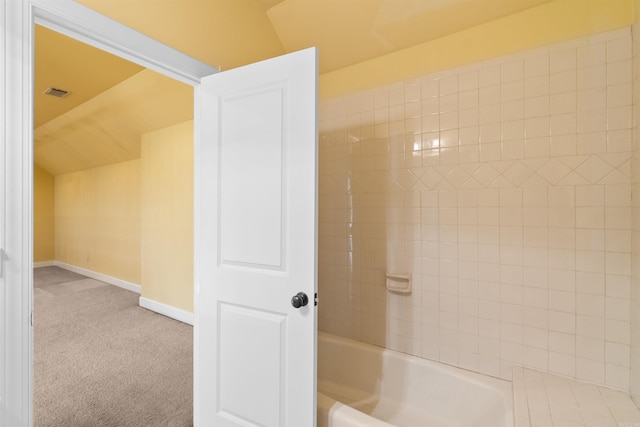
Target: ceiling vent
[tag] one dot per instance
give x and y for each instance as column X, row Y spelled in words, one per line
column 59, row 93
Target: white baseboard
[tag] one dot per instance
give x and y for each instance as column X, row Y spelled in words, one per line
column 43, row 264
column 167, row 310
column 158, row 307
column 99, row 276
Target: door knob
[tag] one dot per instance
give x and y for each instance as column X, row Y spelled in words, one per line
column 299, row 300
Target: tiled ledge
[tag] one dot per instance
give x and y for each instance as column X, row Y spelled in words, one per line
column 547, row 400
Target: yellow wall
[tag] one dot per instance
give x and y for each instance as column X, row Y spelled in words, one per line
column 97, row 220
column 167, row 216
column 550, row 23
column 43, row 216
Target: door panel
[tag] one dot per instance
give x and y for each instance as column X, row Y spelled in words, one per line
column 241, row 379
column 255, row 228
column 255, row 175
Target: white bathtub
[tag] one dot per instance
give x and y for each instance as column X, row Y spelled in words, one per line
column 367, row 386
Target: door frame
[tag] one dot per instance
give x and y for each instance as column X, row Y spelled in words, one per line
column 17, row 21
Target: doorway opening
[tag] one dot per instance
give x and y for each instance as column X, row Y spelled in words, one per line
column 113, row 202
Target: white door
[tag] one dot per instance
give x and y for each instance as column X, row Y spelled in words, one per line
column 255, row 230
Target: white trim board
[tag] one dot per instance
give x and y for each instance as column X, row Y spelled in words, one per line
column 40, row 264
column 133, row 287
column 167, row 310
column 149, row 304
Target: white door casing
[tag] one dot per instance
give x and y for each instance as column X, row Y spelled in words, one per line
column 255, row 191
column 15, row 222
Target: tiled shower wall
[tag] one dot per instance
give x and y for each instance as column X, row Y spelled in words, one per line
column 504, row 189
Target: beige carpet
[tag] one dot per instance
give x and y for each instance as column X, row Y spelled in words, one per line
column 101, row 360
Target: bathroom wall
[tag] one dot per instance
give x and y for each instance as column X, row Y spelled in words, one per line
column 504, row 188
column 635, row 259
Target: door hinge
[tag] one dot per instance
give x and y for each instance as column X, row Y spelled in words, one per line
column 31, row 318
column 315, row 299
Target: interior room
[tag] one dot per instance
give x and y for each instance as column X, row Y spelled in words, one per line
column 99, row 201
column 483, row 150
column 113, row 164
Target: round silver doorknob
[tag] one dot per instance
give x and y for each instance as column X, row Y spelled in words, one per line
column 299, row 300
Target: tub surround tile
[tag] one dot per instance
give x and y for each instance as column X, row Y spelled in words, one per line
column 504, row 188
column 547, row 400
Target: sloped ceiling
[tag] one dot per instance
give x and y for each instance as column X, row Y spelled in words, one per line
column 350, row 31
column 229, row 33
column 67, row 64
column 107, row 129
column 112, row 101
column 222, row 33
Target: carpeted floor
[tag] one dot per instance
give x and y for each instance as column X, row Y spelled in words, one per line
column 101, row 360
